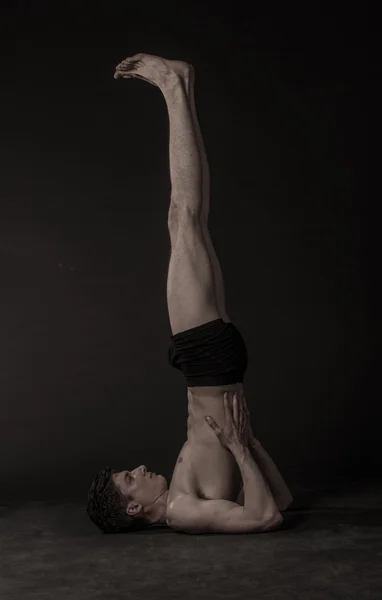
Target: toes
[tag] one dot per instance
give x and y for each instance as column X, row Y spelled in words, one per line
column 124, row 65
column 131, row 61
column 127, row 66
column 124, row 74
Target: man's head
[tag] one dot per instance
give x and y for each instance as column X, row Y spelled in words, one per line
column 127, row 500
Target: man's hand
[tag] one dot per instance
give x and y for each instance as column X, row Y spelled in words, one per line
column 252, row 441
column 234, row 434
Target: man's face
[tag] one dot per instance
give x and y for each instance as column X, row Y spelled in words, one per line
column 141, row 486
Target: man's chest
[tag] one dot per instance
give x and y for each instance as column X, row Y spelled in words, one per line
column 207, row 471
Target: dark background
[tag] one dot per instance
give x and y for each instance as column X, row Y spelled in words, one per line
column 285, row 97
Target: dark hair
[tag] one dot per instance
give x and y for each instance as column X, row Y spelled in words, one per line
column 107, row 506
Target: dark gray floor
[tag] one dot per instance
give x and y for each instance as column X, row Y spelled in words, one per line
column 329, row 548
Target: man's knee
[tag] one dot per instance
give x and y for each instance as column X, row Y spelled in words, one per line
column 172, row 217
column 184, row 219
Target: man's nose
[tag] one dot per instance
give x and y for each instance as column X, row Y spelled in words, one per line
column 143, row 469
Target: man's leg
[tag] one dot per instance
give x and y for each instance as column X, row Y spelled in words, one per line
column 190, row 173
column 218, row 275
column 191, row 293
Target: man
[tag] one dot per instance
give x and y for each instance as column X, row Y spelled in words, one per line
column 223, row 481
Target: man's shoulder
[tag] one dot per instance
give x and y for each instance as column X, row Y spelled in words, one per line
column 181, row 506
column 180, row 501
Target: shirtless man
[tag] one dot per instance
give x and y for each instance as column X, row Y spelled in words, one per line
column 223, row 481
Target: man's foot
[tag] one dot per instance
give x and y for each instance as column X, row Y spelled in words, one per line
column 153, row 69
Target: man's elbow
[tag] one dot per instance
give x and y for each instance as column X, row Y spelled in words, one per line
column 273, row 522
column 284, row 502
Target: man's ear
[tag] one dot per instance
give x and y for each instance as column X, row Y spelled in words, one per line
column 133, row 509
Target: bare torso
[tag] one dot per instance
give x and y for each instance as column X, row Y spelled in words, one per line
column 204, row 468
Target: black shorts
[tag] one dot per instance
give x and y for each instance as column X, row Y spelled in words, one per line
column 211, row 354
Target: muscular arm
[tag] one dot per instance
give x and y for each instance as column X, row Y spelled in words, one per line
column 260, row 513
column 279, row 488
column 258, row 497
column 270, row 472
column 272, row 476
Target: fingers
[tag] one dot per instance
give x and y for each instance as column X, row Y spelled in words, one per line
column 226, row 406
column 236, row 413
column 241, row 417
column 212, row 424
column 240, row 412
column 235, row 410
column 244, row 405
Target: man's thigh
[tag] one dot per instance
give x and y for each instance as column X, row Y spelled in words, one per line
column 191, row 296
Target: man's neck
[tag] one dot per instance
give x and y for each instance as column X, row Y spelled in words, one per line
column 161, row 508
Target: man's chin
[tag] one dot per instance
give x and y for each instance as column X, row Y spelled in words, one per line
column 163, row 481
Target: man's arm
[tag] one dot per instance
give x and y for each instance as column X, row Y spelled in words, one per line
column 270, row 472
column 259, row 513
column 258, row 497
column 272, row 475
column 190, row 514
